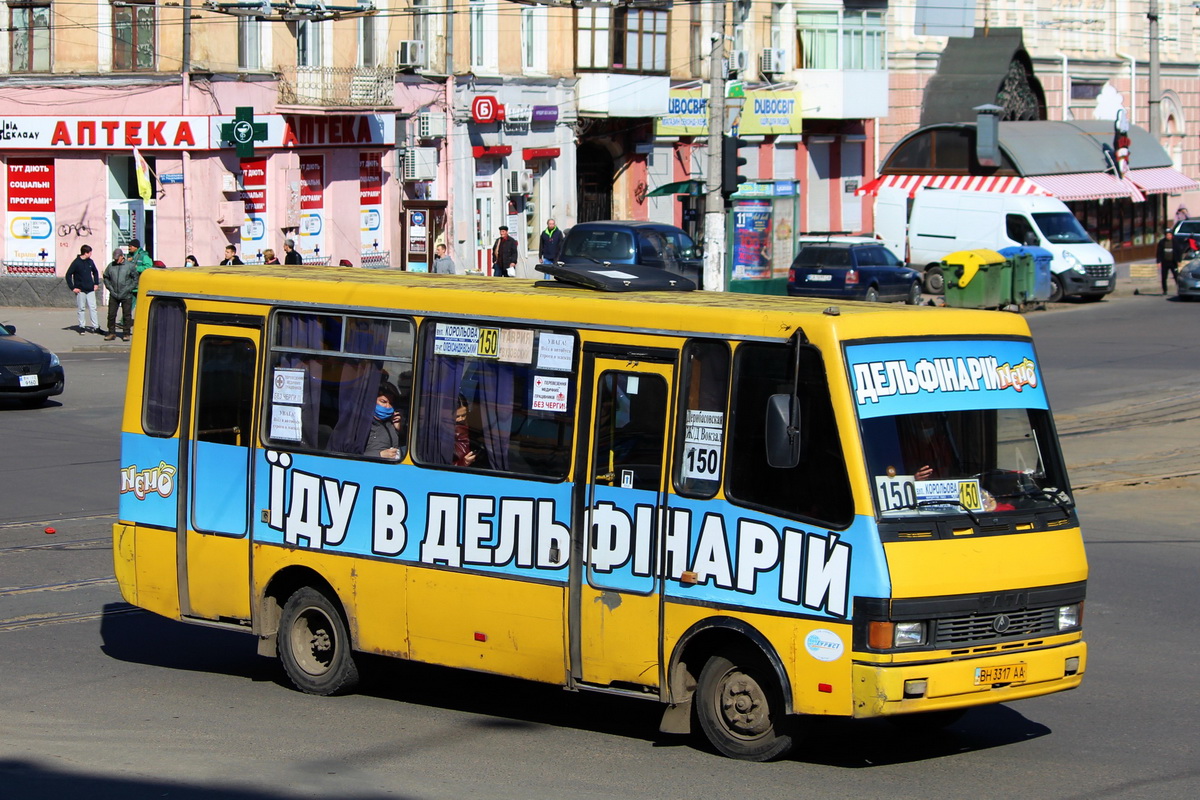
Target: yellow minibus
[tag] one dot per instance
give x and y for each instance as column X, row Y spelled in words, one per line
column 750, row 509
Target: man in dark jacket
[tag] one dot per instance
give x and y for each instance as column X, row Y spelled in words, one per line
column 1167, row 257
column 505, row 255
column 290, row 254
column 550, row 243
column 83, row 279
column 121, row 278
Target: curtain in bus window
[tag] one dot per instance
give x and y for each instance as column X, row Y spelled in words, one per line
column 360, row 384
column 439, row 396
column 303, row 331
column 164, row 367
column 496, row 407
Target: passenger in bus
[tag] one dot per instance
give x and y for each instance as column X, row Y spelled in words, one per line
column 464, row 453
column 927, row 447
column 385, row 438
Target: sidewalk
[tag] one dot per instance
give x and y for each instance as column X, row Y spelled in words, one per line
column 55, row 329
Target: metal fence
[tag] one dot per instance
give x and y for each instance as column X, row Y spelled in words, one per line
column 337, row 86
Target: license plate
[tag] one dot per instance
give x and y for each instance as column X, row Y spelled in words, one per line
column 1006, row 673
column 819, row 278
column 1102, row 283
column 29, row 380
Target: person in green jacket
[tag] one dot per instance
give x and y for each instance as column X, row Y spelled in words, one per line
column 141, row 261
column 121, row 278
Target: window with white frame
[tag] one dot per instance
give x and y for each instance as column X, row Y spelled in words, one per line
column 249, row 43
column 534, row 45
column 593, row 26
column 696, row 41
column 841, row 39
column 29, row 34
column 133, row 24
column 309, row 43
column 478, row 17
column 367, row 56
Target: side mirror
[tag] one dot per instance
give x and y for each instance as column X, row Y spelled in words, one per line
column 11, row 328
column 783, row 431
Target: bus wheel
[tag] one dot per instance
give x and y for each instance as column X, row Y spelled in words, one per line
column 740, row 709
column 314, row 645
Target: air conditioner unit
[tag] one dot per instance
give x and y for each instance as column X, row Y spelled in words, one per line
column 231, row 214
column 231, row 182
column 431, row 125
column 420, row 163
column 520, row 181
column 738, row 62
column 773, row 61
column 410, row 54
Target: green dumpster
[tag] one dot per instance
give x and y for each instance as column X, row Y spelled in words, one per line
column 977, row 279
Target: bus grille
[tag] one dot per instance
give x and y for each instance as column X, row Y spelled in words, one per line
column 986, row 628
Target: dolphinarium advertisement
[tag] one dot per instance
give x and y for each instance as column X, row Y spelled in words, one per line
column 30, row 239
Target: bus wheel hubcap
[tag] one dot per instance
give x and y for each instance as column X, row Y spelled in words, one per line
column 744, row 705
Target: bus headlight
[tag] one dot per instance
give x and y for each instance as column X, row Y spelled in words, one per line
column 1070, row 616
column 887, row 635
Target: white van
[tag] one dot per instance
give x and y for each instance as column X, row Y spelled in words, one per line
column 937, row 222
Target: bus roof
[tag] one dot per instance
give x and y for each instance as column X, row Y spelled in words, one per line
column 734, row 314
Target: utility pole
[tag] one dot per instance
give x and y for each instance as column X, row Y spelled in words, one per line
column 1155, row 107
column 714, row 208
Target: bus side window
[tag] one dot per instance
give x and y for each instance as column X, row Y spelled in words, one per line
column 701, row 426
column 164, row 366
column 818, row 488
column 516, row 421
column 326, row 373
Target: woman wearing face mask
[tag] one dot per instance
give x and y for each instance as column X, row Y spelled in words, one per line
column 384, row 439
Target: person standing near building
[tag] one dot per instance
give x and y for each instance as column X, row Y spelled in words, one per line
column 83, row 279
column 231, row 257
column 1167, row 258
column 550, row 243
column 443, row 264
column 121, row 278
column 141, row 262
column 290, row 256
column 504, row 255
column 269, row 257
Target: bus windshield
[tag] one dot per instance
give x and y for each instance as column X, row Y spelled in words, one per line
column 989, row 460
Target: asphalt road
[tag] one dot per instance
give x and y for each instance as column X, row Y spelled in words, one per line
column 98, row 700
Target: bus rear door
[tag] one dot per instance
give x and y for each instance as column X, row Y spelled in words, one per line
column 214, row 568
column 616, row 594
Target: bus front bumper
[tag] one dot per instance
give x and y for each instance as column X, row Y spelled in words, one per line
column 884, row 690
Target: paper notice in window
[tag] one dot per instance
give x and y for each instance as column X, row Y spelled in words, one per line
column 550, row 394
column 285, row 423
column 555, row 351
column 287, row 386
column 516, row 346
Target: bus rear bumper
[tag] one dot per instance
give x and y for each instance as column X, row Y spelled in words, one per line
column 885, row 690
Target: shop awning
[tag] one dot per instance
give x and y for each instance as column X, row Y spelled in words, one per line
column 1088, row 186
column 1010, row 184
column 1162, row 180
column 694, row 188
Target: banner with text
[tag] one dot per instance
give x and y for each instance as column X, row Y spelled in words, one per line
column 30, row 238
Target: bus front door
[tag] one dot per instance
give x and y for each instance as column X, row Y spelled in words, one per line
column 214, row 569
column 615, row 588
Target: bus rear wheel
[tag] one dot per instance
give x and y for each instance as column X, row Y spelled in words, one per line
column 740, row 709
column 314, row 645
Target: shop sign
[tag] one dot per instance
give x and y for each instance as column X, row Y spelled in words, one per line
column 545, row 113
column 687, row 114
column 767, row 189
column 108, row 133
column 485, row 109
column 518, row 113
column 30, row 221
column 766, row 112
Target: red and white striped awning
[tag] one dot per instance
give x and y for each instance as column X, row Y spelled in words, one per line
column 1088, row 186
column 1162, row 180
column 1010, row 184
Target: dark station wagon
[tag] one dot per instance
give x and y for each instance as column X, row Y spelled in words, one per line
column 853, row 271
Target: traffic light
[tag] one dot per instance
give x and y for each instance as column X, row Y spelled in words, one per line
column 730, row 164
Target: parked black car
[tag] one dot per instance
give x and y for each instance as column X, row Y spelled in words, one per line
column 29, row 372
column 649, row 244
column 855, row 271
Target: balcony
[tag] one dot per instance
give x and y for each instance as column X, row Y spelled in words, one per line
column 842, row 93
column 337, row 87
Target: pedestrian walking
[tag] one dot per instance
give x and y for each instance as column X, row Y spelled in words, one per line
column 505, row 254
column 190, row 261
column 83, row 279
column 1167, row 258
column 269, row 257
column 290, row 256
column 121, row 278
column 443, row 264
column 550, row 243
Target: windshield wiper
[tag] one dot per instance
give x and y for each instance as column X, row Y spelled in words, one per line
column 919, row 504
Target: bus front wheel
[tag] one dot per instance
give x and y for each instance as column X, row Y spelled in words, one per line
column 740, row 709
column 314, row 644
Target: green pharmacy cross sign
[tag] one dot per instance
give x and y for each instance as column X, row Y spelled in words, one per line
column 244, row 131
